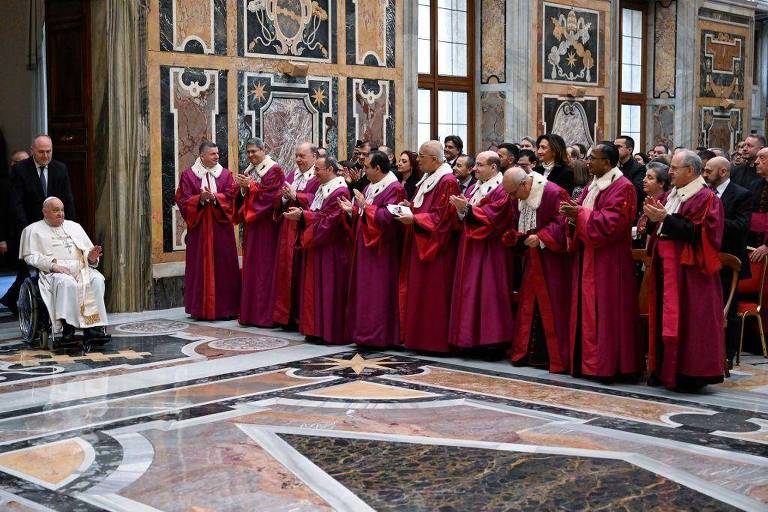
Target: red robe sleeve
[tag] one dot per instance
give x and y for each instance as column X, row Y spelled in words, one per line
column 377, row 220
column 434, row 228
column 552, row 233
column 260, row 198
column 188, row 201
column 488, row 218
column 705, row 253
column 601, row 227
column 322, row 226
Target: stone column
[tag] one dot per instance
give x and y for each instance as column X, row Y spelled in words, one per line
column 410, row 73
column 685, row 73
column 520, row 118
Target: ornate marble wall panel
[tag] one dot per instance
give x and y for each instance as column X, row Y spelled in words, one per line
column 193, row 26
column 664, row 48
column 295, row 29
column 193, row 108
column 570, row 44
column 720, row 128
column 286, row 112
column 664, row 125
column 493, row 49
column 574, row 120
column 370, row 32
column 370, row 112
column 493, row 119
column 722, row 65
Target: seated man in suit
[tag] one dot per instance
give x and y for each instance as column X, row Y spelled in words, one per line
column 70, row 286
column 737, row 207
column 34, row 179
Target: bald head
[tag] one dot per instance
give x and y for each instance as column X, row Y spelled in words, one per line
column 431, row 156
column 716, row 171
column 517, row 183
column 42, row 149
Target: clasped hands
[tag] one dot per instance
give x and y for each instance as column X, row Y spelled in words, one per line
column 243, row 181
column 288, row 193
column 569, row 209
column 347, row 205
column 460, row 203
column 654, row 210
column 93, row 256
column 207, row 196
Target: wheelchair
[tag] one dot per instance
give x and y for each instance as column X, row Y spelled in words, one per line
column 35, row 323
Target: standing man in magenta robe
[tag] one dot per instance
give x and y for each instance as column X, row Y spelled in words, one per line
column 259, row 188
column 481, row 304
column 686, row 347
column 604, row 341
column 325, row 236
column 212, row 274
column 544, row 305
column 298, row 191
column 373, row 288
column 429, row 255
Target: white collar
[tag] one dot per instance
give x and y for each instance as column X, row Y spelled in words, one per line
column 430, row 181
column 484, row 188
column 684, row 193
column 262, row 168
column 374, row 189
column 538, row 184
column 307, row 174
column 326, row 190
column 604, row 181
column 200, row 170
column 721, row 187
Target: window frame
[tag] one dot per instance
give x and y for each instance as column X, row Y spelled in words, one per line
column 436, row 82
column 633, row 98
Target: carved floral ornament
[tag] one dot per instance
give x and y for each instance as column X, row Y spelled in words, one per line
column 289, row 26
column 572, row 33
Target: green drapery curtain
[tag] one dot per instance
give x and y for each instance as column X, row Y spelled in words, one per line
column 121, row 147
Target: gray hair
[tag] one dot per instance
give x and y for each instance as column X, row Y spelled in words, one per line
column 434, row 148
column 516, row 175
column 662, row 172
column 255, row 142
column 49, row 200
column 529, row 139
column 690, row 158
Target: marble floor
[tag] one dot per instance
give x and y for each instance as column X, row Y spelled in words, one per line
column 175, row 415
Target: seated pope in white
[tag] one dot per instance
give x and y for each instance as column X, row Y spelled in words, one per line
column 70, row 285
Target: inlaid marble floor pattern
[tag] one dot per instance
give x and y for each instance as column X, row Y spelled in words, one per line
column 176, row 415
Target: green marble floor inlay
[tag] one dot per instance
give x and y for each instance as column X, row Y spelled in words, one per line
column 413, row 477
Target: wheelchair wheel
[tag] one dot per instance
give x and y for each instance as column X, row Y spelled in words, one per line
column 33, row 318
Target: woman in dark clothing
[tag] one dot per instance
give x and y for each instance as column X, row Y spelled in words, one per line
column 408, row 172
column 554, row 161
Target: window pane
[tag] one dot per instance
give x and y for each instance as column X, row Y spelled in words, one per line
column 444, row 107
column 636, row 79
column 626, row 77
column 445, row 3
column 424, row 2
column 459, row 27
column 460, row 5
column 425, row 133
column 452, row 114
column 625, row 114
column 637, row 51
column 626, row 50
column 637, row 24
column 459, row 60
column 460, row 108
column 444, row 25
column 424, row 22
column 626, row 22
column 424, row 56
column 444, row 58
column 424, row 105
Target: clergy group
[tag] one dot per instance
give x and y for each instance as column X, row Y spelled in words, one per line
column 481, row 255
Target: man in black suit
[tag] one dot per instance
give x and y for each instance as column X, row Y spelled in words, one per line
column 746, row 174
column 35, row 179
column 453, row 149
column 633, row 170
column 737, row 209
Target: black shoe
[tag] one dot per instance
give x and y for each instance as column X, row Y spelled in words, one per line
column 11, row 305
column 68, row 333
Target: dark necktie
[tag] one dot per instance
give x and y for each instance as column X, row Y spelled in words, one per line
column 43, row 183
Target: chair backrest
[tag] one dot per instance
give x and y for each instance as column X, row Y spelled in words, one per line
column 754, row 285
column 732, row 262
column 641, row 255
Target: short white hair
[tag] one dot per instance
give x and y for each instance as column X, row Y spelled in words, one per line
column 50, row 199
column 516, row 175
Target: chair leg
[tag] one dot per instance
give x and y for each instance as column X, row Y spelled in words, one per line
column 762, row 335
column 741, row 340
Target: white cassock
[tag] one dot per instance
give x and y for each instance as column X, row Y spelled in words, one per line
column 78, row 300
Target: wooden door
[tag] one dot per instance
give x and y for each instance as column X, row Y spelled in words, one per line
column 69, row 99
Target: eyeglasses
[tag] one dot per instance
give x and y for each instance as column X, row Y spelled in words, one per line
column 590, row 157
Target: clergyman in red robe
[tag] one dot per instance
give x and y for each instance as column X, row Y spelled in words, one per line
column 685, row 299
column 604, row 328
column 212, row 273
column 298, row 191
column 429, row 255
column 373, row 284
column 259, row 188
column 542, row 333
column 482, row 314
column 325, row 235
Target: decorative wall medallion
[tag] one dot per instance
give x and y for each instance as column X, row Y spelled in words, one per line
column 193, row 26
column 370, row 112
column 574, row 121
column 286, row 113
column 193, row 108
column 720, row 128
column 571, row 44
column 493, row 48
column 722, row 65
column 297, row 29
column 370, row 32
column 492, row 121
column 249, row 343
column 664, row 48
column 664, row 124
